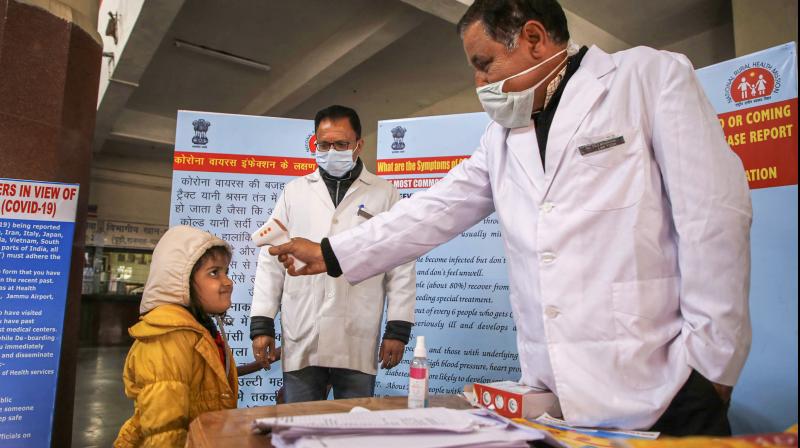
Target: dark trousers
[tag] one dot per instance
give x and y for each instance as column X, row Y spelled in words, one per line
column 311, row 384
column 697, row 409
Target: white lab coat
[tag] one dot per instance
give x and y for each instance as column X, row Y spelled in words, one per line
column 628, row 266
column 325, row 321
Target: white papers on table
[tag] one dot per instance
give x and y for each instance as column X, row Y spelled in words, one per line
column 418, row 428
column 492, row 437
column 405, row 420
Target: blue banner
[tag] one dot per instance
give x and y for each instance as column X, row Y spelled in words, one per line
column 765, row 400
column 37, row 224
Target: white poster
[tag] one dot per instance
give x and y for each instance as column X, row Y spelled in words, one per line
column 228, row 172
column 462, row 286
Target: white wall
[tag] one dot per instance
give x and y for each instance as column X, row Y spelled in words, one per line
column 763, row 24
column 707, row 48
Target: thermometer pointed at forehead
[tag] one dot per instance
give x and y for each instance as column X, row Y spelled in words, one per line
column 274, row 233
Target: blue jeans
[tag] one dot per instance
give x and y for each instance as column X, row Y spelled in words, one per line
column 311, row 384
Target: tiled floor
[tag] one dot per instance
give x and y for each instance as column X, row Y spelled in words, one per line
column 101, row 406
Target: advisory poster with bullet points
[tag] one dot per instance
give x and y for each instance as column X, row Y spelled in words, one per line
column 37, row 224
column 463, row 307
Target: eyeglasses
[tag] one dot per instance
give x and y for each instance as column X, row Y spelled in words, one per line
column 339, row 146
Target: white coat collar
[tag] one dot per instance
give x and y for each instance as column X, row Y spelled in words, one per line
column 598, row 62
column 365, row 178
column 581, row 93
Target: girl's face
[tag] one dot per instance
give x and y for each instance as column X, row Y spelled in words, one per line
column 211, row 284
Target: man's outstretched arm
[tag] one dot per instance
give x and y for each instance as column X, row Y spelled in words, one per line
column 410, row 229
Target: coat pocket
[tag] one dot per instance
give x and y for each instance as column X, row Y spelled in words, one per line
column 365, row 304
column 652, row 299
column 610, row 170
column 647, row 319
column 298, row 315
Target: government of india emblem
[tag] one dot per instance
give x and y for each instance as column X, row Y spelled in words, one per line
column 398, row 132
column 200, row 129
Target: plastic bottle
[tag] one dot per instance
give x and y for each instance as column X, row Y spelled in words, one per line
column 418, row 376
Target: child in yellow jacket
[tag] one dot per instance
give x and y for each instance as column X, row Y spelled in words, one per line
column 179, row 365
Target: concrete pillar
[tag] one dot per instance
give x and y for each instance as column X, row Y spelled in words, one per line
column 49, row 70
column 762, row 24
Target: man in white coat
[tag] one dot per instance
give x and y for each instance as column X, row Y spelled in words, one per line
column 331, row 329
column 625, row 218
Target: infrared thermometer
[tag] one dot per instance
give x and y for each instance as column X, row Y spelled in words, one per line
column 274, row 233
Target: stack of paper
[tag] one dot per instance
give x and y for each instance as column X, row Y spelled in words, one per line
column 404, row 428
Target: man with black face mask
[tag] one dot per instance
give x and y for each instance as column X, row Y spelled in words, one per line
column 625, row 218
column 331, row 329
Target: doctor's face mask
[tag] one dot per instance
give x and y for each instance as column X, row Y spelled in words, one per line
column 508, row 79
column 338, row 146
column 513, row 109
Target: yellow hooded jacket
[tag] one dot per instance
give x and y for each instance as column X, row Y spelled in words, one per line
column 173, row 370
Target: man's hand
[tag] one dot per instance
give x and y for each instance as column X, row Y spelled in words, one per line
column 305, row 251
column 264, row 350
column 723, row 391
column 391, row 353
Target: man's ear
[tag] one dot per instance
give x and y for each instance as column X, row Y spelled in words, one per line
column 359, row 148
column 534, row 37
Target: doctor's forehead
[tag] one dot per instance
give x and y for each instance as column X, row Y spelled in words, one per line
column 335, row 128
column 479, row 48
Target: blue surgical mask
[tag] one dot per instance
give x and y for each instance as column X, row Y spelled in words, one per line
column 513, row 109
column 336, row 163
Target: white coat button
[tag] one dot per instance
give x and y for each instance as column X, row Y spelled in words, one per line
column 547, row 207
column 548, row 257
column 551, row 312
column 336, row 221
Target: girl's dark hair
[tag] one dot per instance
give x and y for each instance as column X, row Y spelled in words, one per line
column 194, row 303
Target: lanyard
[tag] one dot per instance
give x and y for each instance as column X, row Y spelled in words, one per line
column 225, row 344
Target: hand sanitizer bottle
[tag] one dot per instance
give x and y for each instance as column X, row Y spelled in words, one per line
column 418, row 377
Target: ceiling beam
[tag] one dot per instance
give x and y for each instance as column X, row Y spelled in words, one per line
column 584, row 32
column 449, row 10
column 140, row 127
column 127, row 178
column 366, row 34
column 148, row 31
